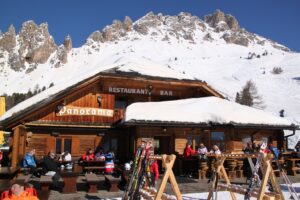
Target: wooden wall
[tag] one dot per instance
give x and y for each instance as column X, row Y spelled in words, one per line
column 86, row 98
column 44, row 142
column 232, row 143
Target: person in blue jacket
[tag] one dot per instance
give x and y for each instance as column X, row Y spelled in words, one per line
column 29, row 162
column 109, row 163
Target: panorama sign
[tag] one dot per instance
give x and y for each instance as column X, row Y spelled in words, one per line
column 83, row 111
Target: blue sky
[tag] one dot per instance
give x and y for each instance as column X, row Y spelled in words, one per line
column 273, row 19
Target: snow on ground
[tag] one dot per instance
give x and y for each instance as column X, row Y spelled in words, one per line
column 223, row 195
column 201, row 110
column 226, row 195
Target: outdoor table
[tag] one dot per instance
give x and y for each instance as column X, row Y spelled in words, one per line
column 70, row 180
column 291, row 166
column 93, row 165
column 4, row 185
column 287, row 154
column 59, row 163
column 8, row 172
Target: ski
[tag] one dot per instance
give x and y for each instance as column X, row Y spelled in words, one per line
column 130, row 183
column 142, row 172
column 287, row 181
column 255, row 179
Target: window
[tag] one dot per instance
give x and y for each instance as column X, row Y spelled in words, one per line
column 58, row 146
column 110, row 144
column 218, row 138
column 194, row 140
column 67, row 145
column 63, row 144
column 121, row 102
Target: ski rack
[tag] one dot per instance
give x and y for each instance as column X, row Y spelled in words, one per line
column 260, row 194
column 167, row 163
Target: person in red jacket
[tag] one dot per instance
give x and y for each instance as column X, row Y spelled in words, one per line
column 88, row 156
column 187, row 155
column 188, row 152
column 154, row 172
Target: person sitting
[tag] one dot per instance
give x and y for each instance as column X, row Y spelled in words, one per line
column 274, row 150
column 50, row 168
column 89, row 155
column 30, row 163
column 65, row 157
column 100, row 155
column 18, row 193
column 215, row 150
column 248, row 149
column 202, row 151
column 66, row 160
column 109, row 163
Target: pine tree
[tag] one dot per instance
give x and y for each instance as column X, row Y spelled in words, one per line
column 249, row 96
column 237, row 97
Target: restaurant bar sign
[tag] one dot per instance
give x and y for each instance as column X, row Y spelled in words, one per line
column 83, row 111
column 141, row 91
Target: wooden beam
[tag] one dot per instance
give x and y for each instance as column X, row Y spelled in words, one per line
column 66, row 125
column 15, row 150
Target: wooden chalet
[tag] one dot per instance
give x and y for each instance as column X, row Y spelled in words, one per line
column 90, row 114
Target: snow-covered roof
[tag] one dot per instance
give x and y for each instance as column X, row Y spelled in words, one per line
column 143, row 67
column 201, row 110
column 149, row 68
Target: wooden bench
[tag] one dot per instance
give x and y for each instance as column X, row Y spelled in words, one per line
column 4, row 185
column 92, row 181
column 112, row 183
column 45, row 182
column 93, row 168
column 23, row 179
column 291, row 166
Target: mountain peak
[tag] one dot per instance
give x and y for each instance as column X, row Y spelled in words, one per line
column 8, row 39
column 222, row 22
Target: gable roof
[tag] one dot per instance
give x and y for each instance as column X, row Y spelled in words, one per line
column 136, row 68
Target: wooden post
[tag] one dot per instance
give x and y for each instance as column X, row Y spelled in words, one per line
column 267, row 173
column 268, row 159
column 220, row 170
column 15, row 149
column 168, row 162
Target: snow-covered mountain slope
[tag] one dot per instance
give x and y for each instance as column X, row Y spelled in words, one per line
column 215, row 50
